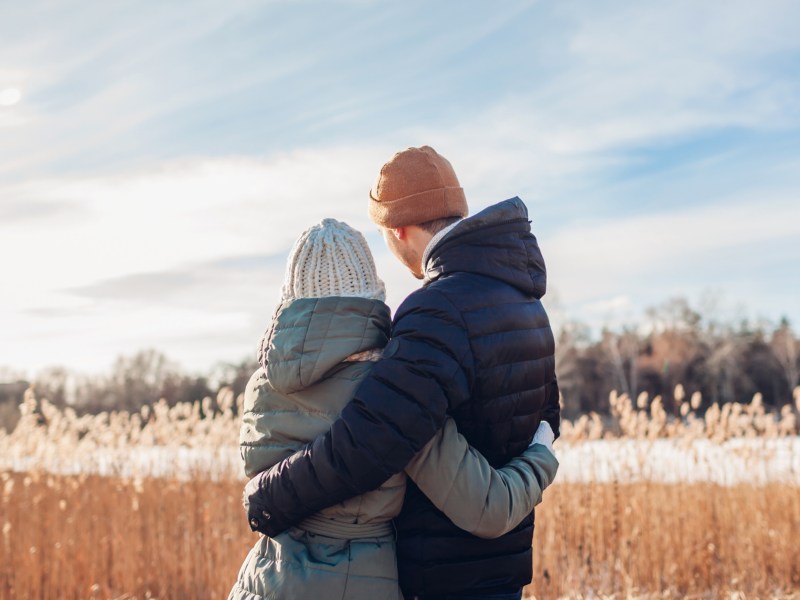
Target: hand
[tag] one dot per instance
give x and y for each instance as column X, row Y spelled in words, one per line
column 544, row 435
column 257, row 517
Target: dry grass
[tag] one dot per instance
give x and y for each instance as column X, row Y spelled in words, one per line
column 89, row 536
column 96, row 537
column 44, row 434
column 673, row 541
column 677, row 417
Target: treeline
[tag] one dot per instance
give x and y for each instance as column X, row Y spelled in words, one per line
column 134, row 381
column 725, row 362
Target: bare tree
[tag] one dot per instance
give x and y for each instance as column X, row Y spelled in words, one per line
column 623, row 358
column 55, row 384
column 784, row 347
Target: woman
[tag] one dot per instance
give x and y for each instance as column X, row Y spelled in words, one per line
column 327, row 330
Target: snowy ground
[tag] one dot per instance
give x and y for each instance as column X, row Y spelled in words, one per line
column 756, row 461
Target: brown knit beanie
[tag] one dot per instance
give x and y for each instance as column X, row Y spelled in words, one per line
column 417, row 185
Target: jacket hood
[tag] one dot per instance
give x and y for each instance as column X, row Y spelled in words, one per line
column 496, row 242
column 310, row 336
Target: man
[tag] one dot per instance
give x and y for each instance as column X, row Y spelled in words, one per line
column 473, row 343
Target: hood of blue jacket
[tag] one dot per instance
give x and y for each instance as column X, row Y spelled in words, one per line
column 496, row 242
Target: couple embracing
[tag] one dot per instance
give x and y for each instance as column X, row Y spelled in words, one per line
column 403, row 457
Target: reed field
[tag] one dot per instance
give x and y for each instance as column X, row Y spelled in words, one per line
column 88, row 536
column 78, row 522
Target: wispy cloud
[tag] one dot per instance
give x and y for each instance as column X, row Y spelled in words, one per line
column 656, row 146
column 202, row 284
column 724, row 247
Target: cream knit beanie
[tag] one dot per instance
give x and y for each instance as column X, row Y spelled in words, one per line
column 331, row 259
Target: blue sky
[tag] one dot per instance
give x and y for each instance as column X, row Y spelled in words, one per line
column 158, row 159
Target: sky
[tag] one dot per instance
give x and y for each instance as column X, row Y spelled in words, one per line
column 158, row 159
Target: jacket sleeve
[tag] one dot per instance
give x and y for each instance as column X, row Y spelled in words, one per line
column 426, row 370
column 476, row 497
column 552, row 407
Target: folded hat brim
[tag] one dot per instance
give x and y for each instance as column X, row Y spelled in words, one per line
column 418, row 208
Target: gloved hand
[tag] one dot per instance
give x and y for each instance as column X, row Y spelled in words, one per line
column 544, row 435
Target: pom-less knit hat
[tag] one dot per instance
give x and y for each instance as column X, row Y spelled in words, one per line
column 331, row 259
column 417, row 185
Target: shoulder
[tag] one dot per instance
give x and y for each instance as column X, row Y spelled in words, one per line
column 453, row 296
column 432, row 299
column 429, row 325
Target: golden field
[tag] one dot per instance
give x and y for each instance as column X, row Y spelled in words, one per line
column 78, row 522
column 87, row 536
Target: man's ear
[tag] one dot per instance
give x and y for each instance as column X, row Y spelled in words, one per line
column 400, row 233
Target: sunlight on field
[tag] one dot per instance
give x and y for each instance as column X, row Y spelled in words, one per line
column 90, row 536
column 734, row 443
column 646, row 504
column 97, row 537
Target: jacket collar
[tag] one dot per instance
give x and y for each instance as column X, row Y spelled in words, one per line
column 436, row 239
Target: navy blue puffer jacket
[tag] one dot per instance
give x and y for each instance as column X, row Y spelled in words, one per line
column 475, row 343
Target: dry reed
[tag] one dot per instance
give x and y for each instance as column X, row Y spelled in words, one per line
column 667, row 541
column 647, row 418
column 86, row 536
column 102, row 537
column 45, row 435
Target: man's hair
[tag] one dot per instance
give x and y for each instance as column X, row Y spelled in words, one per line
column 436, row 225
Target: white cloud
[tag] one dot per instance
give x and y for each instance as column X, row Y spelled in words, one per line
column 599, row 84
column 157, row 219
column 610, row 305
column 93, row 239
column 673, row 253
